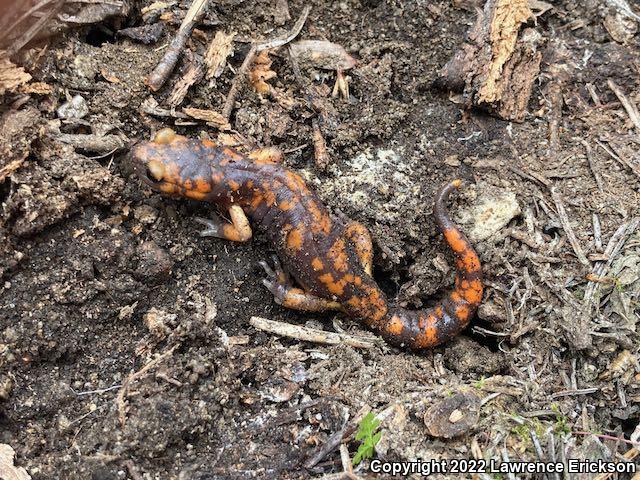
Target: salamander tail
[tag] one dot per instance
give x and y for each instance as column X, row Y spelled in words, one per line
column 427, row 328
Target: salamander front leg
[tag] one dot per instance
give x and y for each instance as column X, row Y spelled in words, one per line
column 285, row 294
column 238, row 230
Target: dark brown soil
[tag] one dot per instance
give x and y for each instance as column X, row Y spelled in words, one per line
column 100, row 276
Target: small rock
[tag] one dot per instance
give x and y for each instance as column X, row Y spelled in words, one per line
column 466, row 355
column 75, row 108
column 6, row 387
column 154, row 263
column 158, row 322
column 10, row 335
column 453, row 416
column 145, row 214
column 489, row 213
column 491, row 312
column 145, row 34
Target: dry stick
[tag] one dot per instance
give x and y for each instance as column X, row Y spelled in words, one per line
column 566, row 226
column 120, row 399
column 36, row 27
column 251, row 55
column 617, row 241
column 627, row 103
column 332, row 442
column 162, row 71
column 23, row 17
column 237, row 83
column 629, row 455
column 592, row 165
column 619, row 158
column 597, row 232
column 309, row 334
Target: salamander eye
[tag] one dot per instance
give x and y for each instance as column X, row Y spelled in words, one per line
column 164, row 136
column 155, row 170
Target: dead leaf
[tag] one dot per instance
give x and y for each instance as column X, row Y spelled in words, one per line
column 11, row 75
column 8, row 471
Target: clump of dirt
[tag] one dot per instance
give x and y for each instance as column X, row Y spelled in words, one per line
column 125, row 344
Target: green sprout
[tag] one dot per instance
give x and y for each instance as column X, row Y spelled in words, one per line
column 368, row 439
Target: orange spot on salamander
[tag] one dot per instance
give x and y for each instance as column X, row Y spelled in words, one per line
column 202, row 185
column 395, row 326
column 294, row 239
column 317, row 264
column 336, row 288
column 338, row 255
column 429, row 335
column 286, row 205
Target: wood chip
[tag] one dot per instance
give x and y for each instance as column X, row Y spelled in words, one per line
column 497, row 67
column 192, row 76
column 213, row 118
column 11, row 76
column 8, row 471
column 627, row 103
column 219, row 50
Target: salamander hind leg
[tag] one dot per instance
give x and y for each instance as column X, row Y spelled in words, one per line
column 238, row 230
column 285, row 294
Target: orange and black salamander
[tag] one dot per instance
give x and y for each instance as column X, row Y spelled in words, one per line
column 330, row 259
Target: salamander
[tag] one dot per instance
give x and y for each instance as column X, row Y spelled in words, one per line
column 328, row 258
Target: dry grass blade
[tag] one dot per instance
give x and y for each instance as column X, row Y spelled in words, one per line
column 121, row 401
column 627, row 103
column 568, row 230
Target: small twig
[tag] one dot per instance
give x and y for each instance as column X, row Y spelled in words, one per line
column 600, row 270
column 619, row 158
column 597, row 233
column 251, row 55
column 36, row 27
column 579, row 391
column 309, row 334
column 566, row 226
column 121, row 398
column 592, row 165
column 133, row 471
column 627, row 103
column 164, row 68
column 332, row 442
column 237, row 83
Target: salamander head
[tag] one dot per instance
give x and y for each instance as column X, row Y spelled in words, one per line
column 173, row 164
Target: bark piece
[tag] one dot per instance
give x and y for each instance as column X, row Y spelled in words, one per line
column 495, row 69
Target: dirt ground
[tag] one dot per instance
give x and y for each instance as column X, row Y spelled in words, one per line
column 101, row 278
